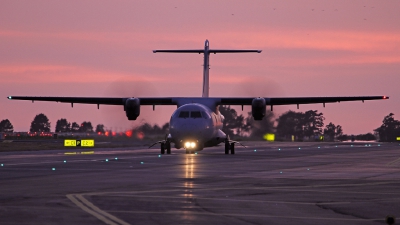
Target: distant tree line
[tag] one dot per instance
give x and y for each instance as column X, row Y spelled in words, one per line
column 6, row 126
column 41, row 124
column 389, row 130
column 309, row 124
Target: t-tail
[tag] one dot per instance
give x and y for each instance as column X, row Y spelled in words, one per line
column 206, row 65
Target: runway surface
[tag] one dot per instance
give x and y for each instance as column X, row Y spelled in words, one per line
column 279, row 183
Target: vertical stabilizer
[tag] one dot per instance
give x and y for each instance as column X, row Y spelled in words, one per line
column 206, row 69
column 206, row 65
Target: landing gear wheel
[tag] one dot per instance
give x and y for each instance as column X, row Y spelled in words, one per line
column 232, row 148
column 168, row 147
column 162, row 148
column 226, row 147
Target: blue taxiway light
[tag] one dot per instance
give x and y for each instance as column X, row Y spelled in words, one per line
column 308, row 168
column 336, row 146
column 299, row 148
column 280, row 172
column 279, row 149
column 351, row 145
column 319, row 147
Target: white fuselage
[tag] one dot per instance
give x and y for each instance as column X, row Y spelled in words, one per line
column 196, row 123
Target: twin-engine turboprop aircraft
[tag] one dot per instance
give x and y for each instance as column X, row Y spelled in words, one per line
column 197, row 122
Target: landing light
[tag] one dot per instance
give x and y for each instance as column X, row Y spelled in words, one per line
column 190, row 145
column 9, row 97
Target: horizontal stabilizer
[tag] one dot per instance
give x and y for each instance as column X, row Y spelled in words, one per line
column 231, row 51
column 181, row 51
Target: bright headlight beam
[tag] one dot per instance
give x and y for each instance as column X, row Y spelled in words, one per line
column 192, row 144
column 187, row 144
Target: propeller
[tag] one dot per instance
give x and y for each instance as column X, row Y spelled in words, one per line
column 114, row 116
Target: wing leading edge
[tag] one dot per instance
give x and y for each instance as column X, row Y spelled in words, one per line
column 217, row 101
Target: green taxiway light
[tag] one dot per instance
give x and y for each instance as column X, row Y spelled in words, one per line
column 116, row 158
column 141, row 162
column 255, row 150
column 159, row 156
column 379, row 145
column 65, row 161
column 195, row 153
column 53, row 168
column 280, row 172
column 106, row 160
column 299, row 148
column 279, row 149
column 2, row 164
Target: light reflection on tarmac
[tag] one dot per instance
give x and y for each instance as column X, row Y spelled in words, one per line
column 316, row 184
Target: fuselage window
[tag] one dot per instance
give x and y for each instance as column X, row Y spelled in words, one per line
column 184, row 114
column 195, row 114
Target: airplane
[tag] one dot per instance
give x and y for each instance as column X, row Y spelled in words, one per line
column 196, row 123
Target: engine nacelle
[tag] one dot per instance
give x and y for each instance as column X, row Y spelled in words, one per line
column 132, row 108
column 258, row 108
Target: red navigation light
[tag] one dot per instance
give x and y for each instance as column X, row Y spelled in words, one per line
column 140, row 135
column 107, row 133
column 128, row 133
column 384, row 97
column 114, row 133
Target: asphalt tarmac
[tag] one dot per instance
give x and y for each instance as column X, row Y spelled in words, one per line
column 278, row 183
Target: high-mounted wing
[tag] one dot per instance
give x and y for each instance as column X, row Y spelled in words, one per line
column 95, row 100
column 299, row 100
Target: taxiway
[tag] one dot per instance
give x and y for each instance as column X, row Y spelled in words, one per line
column 278, row 183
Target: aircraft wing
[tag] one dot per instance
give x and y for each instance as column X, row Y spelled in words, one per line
column 299, row 100
column 95, row 100
column 180, row 101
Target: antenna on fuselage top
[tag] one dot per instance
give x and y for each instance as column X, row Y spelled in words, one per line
column 206, row 65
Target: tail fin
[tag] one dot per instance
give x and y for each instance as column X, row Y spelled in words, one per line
column 206, row 66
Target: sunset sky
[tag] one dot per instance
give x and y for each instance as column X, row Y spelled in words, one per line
column 104, row 48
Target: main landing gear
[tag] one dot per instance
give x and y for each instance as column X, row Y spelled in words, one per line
column 229, row 146
column 166, row 146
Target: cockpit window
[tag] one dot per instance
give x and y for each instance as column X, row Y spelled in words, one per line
column 195, row 114
column 205, row 115
column 184, row 114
